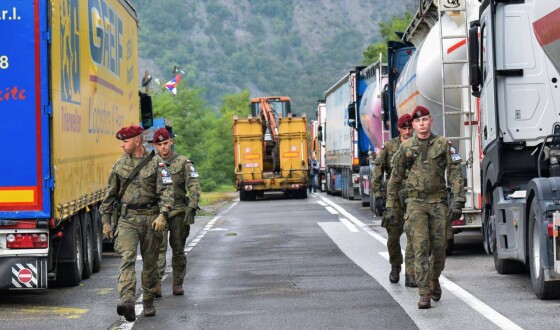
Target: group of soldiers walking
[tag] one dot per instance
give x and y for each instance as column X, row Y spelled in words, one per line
column 155, row 196
column 150, row 196
column 415, row 200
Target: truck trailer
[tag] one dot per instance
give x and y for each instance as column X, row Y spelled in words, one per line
column 514, row 56
column 347, row 145
column 69, row 77
column 270, row 150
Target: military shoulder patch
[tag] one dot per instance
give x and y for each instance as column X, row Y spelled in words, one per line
column 454, row 154
column 193, row 173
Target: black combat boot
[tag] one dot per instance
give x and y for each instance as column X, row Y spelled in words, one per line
column 178, row 290
column 149, row 309
column 436, row 290
column 394, row 275
column 424, row 302
column 158, row 294
column 126, row 310
column 410, row 281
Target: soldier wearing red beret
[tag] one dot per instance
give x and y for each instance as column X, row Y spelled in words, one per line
column 186, row 195
column 394, row 225
column 142, row 203
column 420, row 165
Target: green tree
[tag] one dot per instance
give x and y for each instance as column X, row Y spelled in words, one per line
column 388, row 32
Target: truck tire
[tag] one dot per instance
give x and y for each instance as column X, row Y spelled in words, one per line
column 328, row 183
column 70, row 274
column 450, row 246
column 97, row 239
column 503, row 266
column 242, row 195
column 87, row 242
column 543, row 289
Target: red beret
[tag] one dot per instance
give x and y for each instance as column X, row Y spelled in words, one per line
column 129, row 132
column 420, row 111
column 405, row 121
column 160, row 135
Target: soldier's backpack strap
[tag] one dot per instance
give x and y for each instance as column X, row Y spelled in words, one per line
column 135, row 172
column 171, row 159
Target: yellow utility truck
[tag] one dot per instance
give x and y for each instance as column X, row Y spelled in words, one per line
column 270, row 148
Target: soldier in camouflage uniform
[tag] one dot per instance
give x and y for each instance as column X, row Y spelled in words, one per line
column 144, row 208
column 186, row 195
column 427, row 157
column 395, row 227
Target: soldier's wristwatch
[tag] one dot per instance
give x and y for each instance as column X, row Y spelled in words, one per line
column 165, row 215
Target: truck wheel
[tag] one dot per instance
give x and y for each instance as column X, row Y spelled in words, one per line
column 543, row 289
column 251, row 195
column 328, row 183
column 450, row 246
column 70, row 274
column 303, row 193
column 97, row 239
column 88, row 245
column 242, row 195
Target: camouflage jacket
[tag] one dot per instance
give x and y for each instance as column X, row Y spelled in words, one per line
column 383, row 165
column 186, row 188
column 426, row 171
column 148, row 187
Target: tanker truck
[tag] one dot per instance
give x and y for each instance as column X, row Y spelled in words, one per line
column 438, row 80
column 514, row 56
column 347, row 145
column 371, row 120
column 69, row 81
column 270, row 150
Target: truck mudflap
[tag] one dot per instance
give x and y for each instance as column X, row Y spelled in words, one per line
column 23, row 273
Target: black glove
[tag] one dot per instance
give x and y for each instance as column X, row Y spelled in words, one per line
column 455, row 212
column 389, row 216
column 379, row 205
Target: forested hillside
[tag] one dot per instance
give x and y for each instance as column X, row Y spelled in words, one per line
column 297, row 48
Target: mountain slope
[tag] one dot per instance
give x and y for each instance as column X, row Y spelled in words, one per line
column 271, row 47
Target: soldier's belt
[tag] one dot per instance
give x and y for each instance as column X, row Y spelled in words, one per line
column 144, row 212
column 141, row 206
column 423, row 195
column 145, row 209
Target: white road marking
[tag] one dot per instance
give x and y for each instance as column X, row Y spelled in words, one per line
column 492, row 315
column 349, row 225
column 321, row 203
column 331, row 210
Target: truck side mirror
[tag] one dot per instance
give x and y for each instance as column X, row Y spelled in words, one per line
column 320, row 134
column 385, row 100
column 146, row 111
column 474, row 68
column 352, row 115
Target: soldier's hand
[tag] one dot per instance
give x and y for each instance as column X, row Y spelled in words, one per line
column 107, row 231
column 455, row 213
column 390, row 216
column 379, row 205
column 191, row 211
column 160, row 223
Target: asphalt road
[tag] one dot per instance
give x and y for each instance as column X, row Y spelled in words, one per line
column 316, row 263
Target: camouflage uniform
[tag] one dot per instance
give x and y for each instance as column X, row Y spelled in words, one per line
column 149, row 193
column 394, row 230
column 426, row 205
column 186, row 192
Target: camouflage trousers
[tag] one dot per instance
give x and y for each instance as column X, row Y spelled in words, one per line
column 394, row 233
column 134, row 229
column 428, row 225
column 179, row 230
